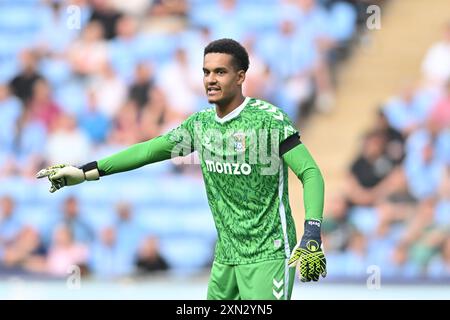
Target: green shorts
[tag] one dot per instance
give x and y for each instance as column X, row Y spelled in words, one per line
column 267, row 280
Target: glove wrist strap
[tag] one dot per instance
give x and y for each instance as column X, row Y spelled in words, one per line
column 312, row 229
column 90, row 171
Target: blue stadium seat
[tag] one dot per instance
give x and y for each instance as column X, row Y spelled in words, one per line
column 197, row 222
column 257, row 20
column 364, row 219
column 183, row 191
column 335, row 265
column 18, row 18
column 97, row 216
column 158, row 220
column 57, row 72
column 156, row 48
column 9, row 67
column 187, row 254
column 442, row 213
column 71, row 97
column 343, row 21
column 36, row 215
column 16, row 188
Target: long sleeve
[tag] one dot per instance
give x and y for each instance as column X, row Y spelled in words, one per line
column 305, row 168
column 136, row 156
column 177, row 142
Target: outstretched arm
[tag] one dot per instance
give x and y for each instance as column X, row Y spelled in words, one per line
column 136, row 156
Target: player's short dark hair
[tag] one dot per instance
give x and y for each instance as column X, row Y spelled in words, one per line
column 231, row 47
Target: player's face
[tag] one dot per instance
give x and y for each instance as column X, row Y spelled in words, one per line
column 221, row 79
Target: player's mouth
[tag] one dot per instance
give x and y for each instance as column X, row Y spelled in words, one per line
column 212, row 91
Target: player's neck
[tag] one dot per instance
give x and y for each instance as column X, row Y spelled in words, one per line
column 223, row 109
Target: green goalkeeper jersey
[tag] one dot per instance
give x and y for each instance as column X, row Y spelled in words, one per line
column 243, row 160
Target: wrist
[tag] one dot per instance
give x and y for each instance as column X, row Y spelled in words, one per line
column 90, row 171
column 312, row 230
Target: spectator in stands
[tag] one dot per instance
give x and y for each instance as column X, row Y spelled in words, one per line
column 336, row 227
column 432, row 133
column 194, row 42
column 436, row 65
column 128, row 233
column 166, row 16
column 29, row 138
column 67, row 133
column 373, row 175
column 124, row 51
column 22, row 84
column 107, row 259
column 42, row 105
column 395, row 142
column 179, row 74
column 439, row 266
column 155, row 117
column 94, row 123
column 432, row 212
column 105, row 53
column 426, row 246
column 88, row 54
column 80, row 230
column 293, row 59
column 343, row 16
column 10, row 225
column 441, row 110
column 424, row 172
column 355, row 255
column 10, row 111
column 259, row 80
column 149, row 259
column 135, row 7
column 125, row 130
column 24, row 252
column 397, row 264
column 407, row 111
column 140, row 89
column 65, row 252
column 441, row 216
column 51, row 41
column 110, row 90
column 107, row 16
column 229, row 11
column 313, row 24
column 167, row 8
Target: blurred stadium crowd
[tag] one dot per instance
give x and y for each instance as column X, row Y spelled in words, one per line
column 394, row 211
column 75, row 90
column 130, row 71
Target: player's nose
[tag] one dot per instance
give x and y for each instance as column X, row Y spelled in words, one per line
column 210, row 79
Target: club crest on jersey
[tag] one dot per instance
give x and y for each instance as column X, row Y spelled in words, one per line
column 239, row 142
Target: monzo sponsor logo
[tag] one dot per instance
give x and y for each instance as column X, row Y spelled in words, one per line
column 228, row 168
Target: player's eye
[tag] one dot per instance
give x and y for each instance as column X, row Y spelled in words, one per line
column 221, row 72
column 205, row 72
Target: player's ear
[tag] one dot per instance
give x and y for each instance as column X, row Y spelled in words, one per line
column 241, row 77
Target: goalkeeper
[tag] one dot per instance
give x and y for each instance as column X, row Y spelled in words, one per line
column 256, row 253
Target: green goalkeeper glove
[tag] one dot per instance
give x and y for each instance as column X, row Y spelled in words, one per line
column 66, row 175
column 308, row 254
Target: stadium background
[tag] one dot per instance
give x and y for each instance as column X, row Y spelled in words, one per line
column 373, row 106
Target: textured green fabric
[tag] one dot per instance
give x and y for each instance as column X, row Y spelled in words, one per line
column 247, row 190
column 245, row 178
column 136, row 156
column 305, row 168
column 267, row 280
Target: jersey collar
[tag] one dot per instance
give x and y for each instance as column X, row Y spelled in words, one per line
column 233, row 114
